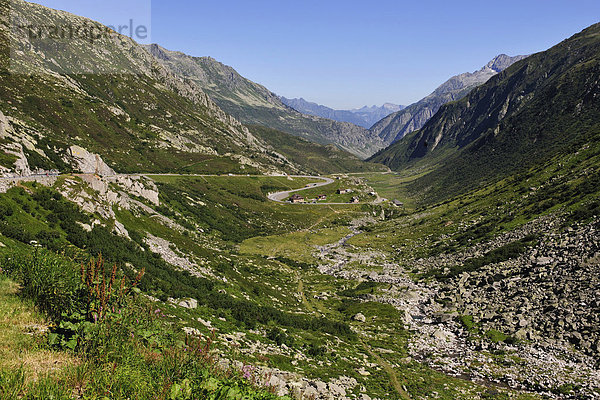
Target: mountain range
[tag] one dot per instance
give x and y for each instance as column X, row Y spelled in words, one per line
column 115, row 99
column 189, row 130
column 364, row 116
column 112, row 98
column 254, row 104
column 396, row 125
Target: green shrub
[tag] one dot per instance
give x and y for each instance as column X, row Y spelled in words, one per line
column 6, row 210
column 496, row 336
column 362, row 288
column 468, row 322
column 280, row 337
column 566, row 389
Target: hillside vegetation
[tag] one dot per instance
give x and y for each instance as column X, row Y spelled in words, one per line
column 313, row 157
column 219, row 263
column 119, row 345
column 483, row 284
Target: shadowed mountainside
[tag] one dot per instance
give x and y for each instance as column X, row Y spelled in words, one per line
column 542, row 106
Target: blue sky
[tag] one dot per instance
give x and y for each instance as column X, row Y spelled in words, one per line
column 347, row 53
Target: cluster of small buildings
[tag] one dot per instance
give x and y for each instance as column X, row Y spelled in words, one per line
column 296, row 198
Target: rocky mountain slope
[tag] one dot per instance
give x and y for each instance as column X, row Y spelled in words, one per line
column 110, row 97
column 365, row 116
column 254, row 104
column 544, row 105
column 395, row 126
column 501, row 283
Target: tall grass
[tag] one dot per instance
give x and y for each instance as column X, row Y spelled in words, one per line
column 46, row 279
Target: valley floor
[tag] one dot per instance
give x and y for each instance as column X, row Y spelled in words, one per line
column 345, row 301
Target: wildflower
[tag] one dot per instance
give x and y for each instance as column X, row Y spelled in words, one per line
column 247, row 371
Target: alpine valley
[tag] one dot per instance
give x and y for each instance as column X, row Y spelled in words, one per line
column 172, row 230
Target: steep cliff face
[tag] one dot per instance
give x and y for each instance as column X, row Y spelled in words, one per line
column 254, row 104
column 109, row 96
column 395, row 126
column 542, row 106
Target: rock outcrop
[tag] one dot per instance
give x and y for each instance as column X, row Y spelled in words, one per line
column 88, row 163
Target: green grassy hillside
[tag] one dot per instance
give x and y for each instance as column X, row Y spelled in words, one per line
column 126, row 350
column 312, row 157
column 485, row 286
column 112, row 98
column 250, row 266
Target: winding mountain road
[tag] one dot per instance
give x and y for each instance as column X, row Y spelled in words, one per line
column 281, row 196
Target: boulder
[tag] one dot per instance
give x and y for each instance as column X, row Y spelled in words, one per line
column 89, row 163
column 543, row 261
column 359, row 317
column 188, row 303
column 444, row 336
column 191, row 331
